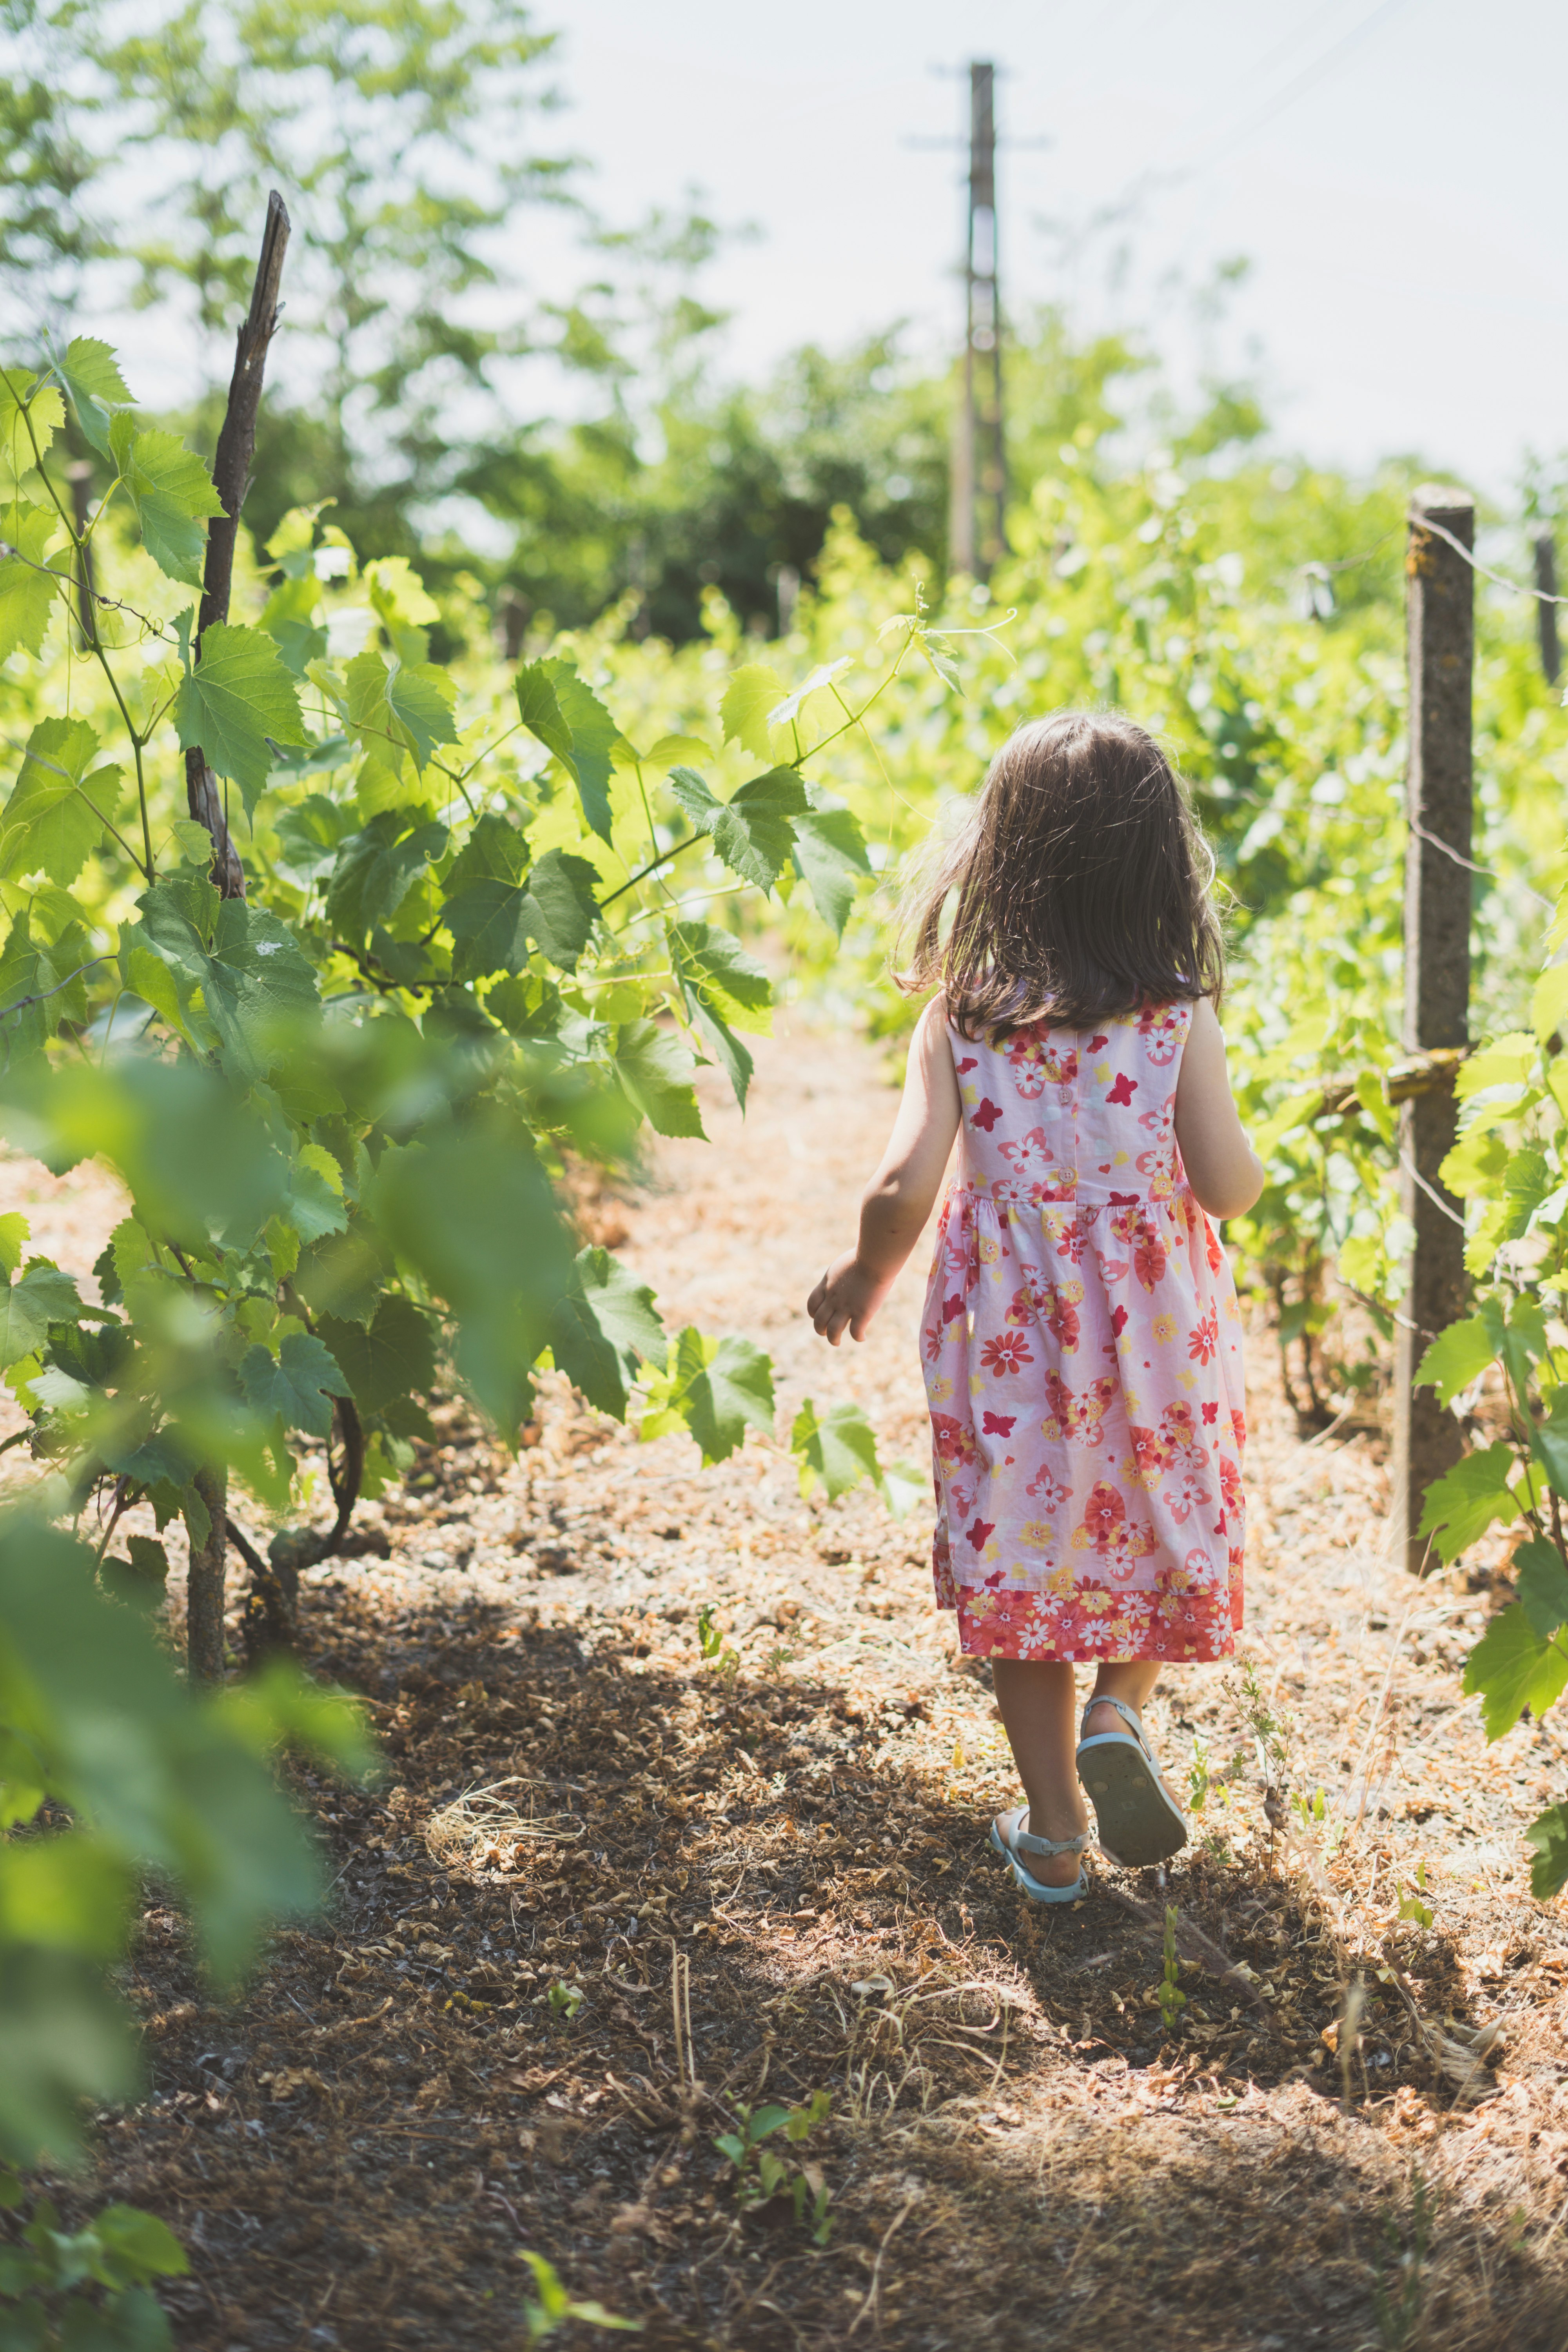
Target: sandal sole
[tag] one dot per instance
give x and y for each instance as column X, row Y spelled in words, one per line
column 1136, row 1821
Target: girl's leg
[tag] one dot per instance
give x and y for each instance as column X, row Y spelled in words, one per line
column 1129, row 1679
column 1037, row 1703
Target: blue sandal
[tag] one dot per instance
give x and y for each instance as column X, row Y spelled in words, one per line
column 1017, row 1835
column 1139, row 1819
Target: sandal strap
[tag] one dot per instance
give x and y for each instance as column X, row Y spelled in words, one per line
column 1027, row 1840
column 1128, row 1716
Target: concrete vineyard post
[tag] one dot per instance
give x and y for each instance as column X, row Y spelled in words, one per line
column 1440, row 612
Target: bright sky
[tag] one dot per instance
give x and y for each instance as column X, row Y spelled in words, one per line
column 1391, row 168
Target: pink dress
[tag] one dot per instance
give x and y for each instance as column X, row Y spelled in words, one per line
column 1083, row 1359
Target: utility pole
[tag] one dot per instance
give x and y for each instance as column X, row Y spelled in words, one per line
column 1546, row 608
column 977, row 522
column 1440, row 619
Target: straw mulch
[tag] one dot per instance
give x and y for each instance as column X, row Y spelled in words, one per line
column 610, row 1895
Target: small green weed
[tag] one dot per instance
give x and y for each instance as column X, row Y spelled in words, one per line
column 777, row 1659
column 1198, row 1775
column 1310, row 1810
column 1411, row 1906
column 49, row 2275
column 761, row 2174
column 1399, row 2288
column 1173, row 2000
column 724, row 1661
column 566, row 2001
column 553, row 2307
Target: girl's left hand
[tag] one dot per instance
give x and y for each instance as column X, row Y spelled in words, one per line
column 846, row 1299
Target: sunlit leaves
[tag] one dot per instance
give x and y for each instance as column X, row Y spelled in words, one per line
column 31, row 413
column 497, row 903
column 716, row 1388
column 836, row 1450
column 557, row 707
column 752, row 831
column 40, row 1295
column 749, row 695
column 59, row 804
column 374, row 869
column 91, row 373
column 396, row 711
column 1513, row 1667
column 654, row 1068
column 171, row 493
column 29, row 582
column 603, row 1327
column 720, row 983
column 248, row 965
column 1461, row 1506
column 236, row 702
column 830, row 856
column 394, row 1357
column 297, row 1386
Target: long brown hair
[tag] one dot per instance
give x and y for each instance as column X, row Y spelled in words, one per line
column 1081, row 886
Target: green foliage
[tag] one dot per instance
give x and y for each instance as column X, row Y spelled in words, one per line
column 761, row 2174
column 48, row 2276
column 183, row 1787
column 551, row 2308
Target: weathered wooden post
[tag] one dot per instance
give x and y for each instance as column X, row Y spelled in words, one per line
column 1440, row 615
column 1546, row 606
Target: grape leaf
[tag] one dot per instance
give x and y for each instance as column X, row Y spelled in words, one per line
column 495, row 904
column 785, row 713
column 748, row 698
column 297, row 1386
column 248, row 965
column 41, row 1296
column 1461, row 1506
column 540, row 712
column 374, row 869
column 236, row 697
column 1548, row 1834
column 1455, row 1357
column 92, row 376
column 714, row 963
column 1542, row 1581
column 42, row 983
column 655, row 1068
column 713, row 1388
column 393, row 711
column 836, row 1451
column 395, row 1356
column 1513, row 1667
column 21, row 390
column 171, row 493
column 595, row 736
column 13, row 1232
column 829, row 857
column 751, row 831
column 472, row 1211
column 1548, row 1444
column 27, row 594
column 54, row 817
column 603, row 1327
column 1549, row 1005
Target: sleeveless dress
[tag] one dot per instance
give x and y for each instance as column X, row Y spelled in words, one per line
column 1082, row 1351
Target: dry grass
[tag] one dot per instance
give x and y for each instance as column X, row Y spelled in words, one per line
column 773, row 1882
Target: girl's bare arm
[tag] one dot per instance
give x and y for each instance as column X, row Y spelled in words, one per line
column 901, row 1195
column 1224, row 1170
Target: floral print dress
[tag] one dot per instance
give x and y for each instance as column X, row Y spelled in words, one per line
column 1083, row 1359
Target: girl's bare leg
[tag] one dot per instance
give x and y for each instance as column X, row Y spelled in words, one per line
column 1129, row 1679
column 1038, row 1704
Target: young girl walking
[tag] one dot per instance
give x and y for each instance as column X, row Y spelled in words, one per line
column 1081, row 1335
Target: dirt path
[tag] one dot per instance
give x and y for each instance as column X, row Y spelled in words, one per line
column 524, row 2027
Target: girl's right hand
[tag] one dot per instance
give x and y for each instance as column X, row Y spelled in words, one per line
column 846, row 1299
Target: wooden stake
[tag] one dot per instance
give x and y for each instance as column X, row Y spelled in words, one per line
column 231, row 479
column 1440, row 611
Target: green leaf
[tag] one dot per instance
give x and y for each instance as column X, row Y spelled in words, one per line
column 1549, row 1836
column 836, row 1452
column 787, row 712
column 41, row 984
column 830, row 856
column 714, row 1388
column 395, row 1356
column 41, row 1295
column 395, row 710
column 1461, row 1506
column 1528, row 1181
column 29, row 595
column 374, row 869
column 719, row 983
column 54, row 817
column 297, row 1386
column 748, row 698
column 540, row 712
column 495, row 906
column 252, row 973
column 171, row 492
column 1513, row 1667
column 13, row 1232
column 22, row 389
column 1549, row 1005
column 91, row 377
column 1548, row 1444
column 603, row 1327
column 1455, row 1357
column 1542, row 1580
column 595, row 737
column 654, row 1068
column 237, row 697
column 752, row 832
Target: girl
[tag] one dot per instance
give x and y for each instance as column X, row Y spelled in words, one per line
column 1082, row 1346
